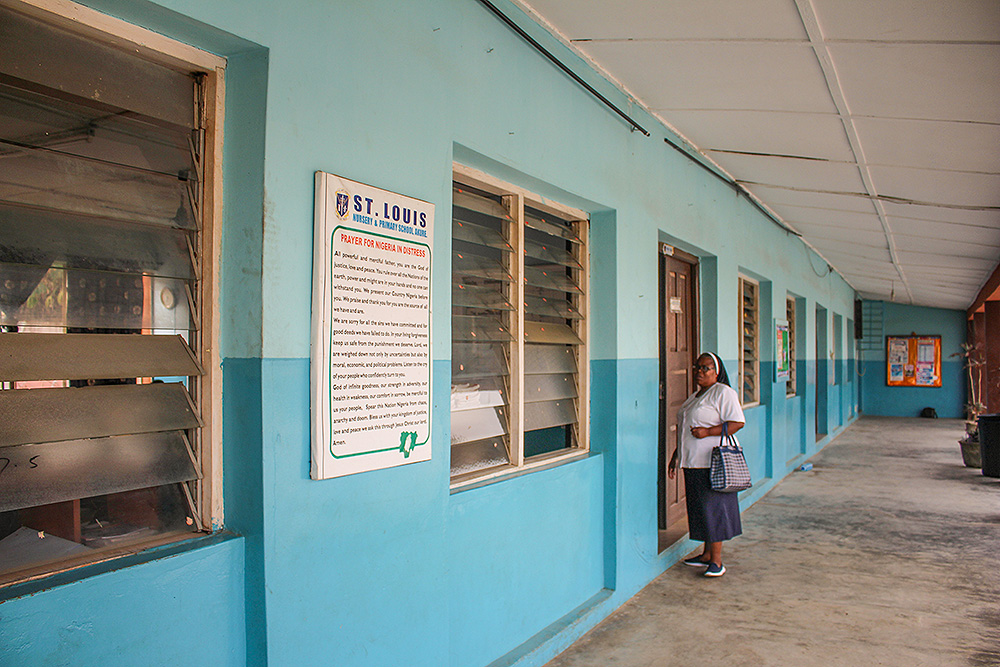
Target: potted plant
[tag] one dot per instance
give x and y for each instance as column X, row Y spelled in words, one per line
column 974, row 363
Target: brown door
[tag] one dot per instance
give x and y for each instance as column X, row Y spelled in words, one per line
column 678, row 343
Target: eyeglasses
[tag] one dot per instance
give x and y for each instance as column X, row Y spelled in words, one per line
column 703, row 368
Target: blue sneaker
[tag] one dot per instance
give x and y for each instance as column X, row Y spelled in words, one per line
column 696, row 561
column 715, row 570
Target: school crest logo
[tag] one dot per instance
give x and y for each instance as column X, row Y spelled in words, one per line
column 343, row 203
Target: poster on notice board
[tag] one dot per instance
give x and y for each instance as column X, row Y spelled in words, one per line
column 913, row 361
column 370, row 359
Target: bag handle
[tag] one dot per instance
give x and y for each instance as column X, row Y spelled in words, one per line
column 727, row 440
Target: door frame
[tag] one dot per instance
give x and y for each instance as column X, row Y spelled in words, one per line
column 665, row 251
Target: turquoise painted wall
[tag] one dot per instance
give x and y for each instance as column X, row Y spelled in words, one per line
column 564, row 503
column 180, row 610
column 948, row 399
column 390, row 567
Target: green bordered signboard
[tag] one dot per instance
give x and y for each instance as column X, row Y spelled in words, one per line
column 783, row 345
column 370, row 362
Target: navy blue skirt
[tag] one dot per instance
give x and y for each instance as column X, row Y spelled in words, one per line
column 712, row 516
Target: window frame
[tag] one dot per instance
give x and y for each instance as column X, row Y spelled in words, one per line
column 516, row 199
column 791, row 388
column 206, row 390
column 755, row 399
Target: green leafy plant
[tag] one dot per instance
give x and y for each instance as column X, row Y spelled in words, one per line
column 974, row 366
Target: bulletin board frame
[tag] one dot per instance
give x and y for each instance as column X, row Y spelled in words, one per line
column 913, row 361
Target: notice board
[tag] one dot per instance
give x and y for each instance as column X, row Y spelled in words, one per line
column 370, row 362
column 913, row 361
column 783, row 344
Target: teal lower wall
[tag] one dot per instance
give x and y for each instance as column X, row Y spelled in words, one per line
column 753, row 438
column 521, row 554
column 243, row 488
column 634, row 489
column 788, row 439
column 835, row 417
column 356, row 567
column 185, row 609
column 948, row 399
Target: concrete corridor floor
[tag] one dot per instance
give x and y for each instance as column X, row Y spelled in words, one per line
column 886, row 553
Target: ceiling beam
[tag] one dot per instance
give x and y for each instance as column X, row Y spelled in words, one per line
column 811, row 23
column 991, row 285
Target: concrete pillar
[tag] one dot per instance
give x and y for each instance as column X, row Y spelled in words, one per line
column 991, row 376
column 979, row 334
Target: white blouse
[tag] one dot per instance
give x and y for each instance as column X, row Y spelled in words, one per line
column 718, row 404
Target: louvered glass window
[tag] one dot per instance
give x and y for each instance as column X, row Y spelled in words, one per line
column 100, row 294
column 518, row 331
column 750, row 341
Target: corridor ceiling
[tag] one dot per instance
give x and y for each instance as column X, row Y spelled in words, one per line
column 870, row 127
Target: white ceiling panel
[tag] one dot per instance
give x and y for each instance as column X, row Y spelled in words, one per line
column 876, row 283
column 824, row 218
column 909, row 20
column 943, row 232
column 943, row 286
column 722, row 75
column 815, row 175
column 933, row 81
column 776, row 196
column 953, row 247
column 677, row 19
column 852, row 250
column 956, row 216
column 943, row 189
column 953, row 273
column 820, row 235
column 935, row 288
column 934, row 300
column 932, row 260
column 813, row 135
column 873, row 287
column 942, row 292
column 862, row 282
column 941, row 144
column 895, row 98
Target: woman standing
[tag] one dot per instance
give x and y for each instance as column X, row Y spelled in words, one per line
column 712, row 516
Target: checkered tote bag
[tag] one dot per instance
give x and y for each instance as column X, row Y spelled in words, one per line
column 729, row 470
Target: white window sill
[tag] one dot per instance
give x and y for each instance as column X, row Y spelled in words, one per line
column 492, row 475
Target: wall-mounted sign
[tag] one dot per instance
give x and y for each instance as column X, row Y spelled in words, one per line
column 370, row 328
column 783, row 344
column 913, row 361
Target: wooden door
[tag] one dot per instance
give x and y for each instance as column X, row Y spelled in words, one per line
column 678, row 351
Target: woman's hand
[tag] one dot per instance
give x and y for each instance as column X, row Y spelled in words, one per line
column 672, row 466
column 705, row 431
column 701, row 431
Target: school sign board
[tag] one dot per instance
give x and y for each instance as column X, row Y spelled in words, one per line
column 370, row 361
